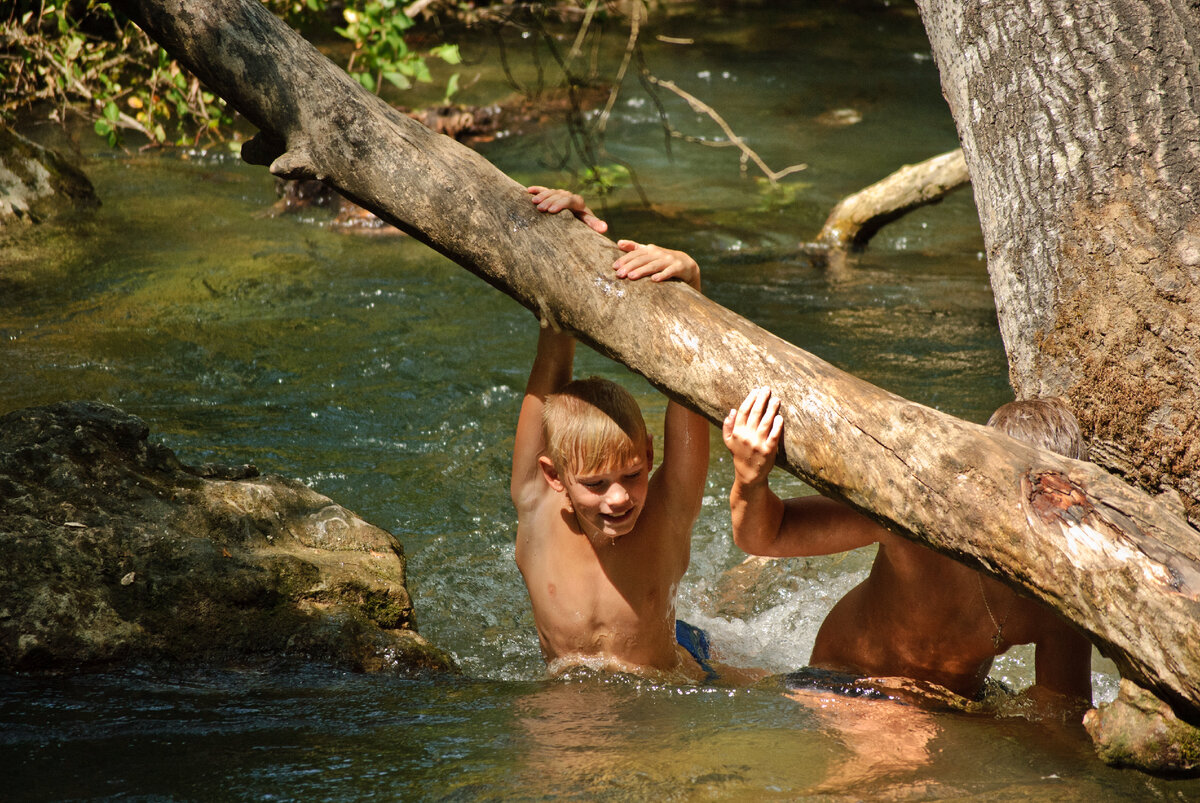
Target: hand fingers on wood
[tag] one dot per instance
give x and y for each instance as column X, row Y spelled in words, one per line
column 761, row 396
column 744, row 410
column 594, row 223
column 638, row 263
column 727, row 428
column 776, row 428
column 540, row 194
column 767, row 421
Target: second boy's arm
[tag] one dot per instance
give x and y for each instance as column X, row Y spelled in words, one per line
column 764, row 524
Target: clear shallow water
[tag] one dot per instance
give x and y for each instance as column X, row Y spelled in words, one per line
column 389, row 379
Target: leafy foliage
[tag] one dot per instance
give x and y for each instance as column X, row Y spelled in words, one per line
column 380, row 51
column 89, row 58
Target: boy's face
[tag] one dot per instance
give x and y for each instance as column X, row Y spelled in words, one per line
column 607, row 503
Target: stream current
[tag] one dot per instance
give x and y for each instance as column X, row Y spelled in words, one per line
column 389, row 379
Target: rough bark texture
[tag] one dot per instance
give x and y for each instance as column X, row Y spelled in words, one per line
column 854, row 221
column 1081, row 128
column 1104, row 554
column 113, row 551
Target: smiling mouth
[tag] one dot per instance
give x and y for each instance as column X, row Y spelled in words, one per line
column 621, row 519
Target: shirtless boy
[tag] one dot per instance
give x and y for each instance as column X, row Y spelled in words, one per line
column 602, row 539
column 919, row 614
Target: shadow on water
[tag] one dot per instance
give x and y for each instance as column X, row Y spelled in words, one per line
column 389, row 379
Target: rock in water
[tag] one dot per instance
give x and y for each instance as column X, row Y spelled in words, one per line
column 113, row 551
column 1139, row 730
column 36, row 183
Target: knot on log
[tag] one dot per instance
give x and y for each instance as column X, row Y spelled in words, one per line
column 295, row 163
column 545, row 315
column 1107, row 534
column 1055, row 498
column 261, row 149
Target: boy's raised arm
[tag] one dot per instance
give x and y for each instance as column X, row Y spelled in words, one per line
column 684, row 465
column 552, row 367
column 764, row 524
column 751, row 433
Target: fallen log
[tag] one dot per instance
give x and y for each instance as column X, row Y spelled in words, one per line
column 1108, row 557
column 856, row 218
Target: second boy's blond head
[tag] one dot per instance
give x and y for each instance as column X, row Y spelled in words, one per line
column 593, row 425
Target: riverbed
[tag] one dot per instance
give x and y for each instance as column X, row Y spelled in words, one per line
column 389, row 379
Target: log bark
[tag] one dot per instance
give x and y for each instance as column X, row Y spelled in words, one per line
column 1081, row 129
column 1104, row 554
column 856, row 218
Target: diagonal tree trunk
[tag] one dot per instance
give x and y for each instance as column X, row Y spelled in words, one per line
column 1104, row 554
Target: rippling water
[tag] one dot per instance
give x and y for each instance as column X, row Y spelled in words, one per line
column 389, row 379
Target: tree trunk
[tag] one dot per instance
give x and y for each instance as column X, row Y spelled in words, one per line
column 1081, row 128
column 1124, row 569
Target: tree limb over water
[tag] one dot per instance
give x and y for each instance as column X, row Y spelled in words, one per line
column 857, row 217
column 1104, row 554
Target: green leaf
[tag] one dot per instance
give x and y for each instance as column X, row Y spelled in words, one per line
column 451, row 88
column 397, row 80
column 447, row 53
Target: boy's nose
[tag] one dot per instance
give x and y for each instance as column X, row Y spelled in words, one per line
column 618, row 498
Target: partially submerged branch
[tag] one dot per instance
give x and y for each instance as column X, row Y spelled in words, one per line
column 857, row 217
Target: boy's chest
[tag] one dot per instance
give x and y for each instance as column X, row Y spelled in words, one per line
column 566, row 573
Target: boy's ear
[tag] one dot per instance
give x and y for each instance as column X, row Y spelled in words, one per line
column 649, row 450
column 551, row 474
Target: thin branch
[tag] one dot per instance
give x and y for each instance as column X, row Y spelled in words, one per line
column 733, row 139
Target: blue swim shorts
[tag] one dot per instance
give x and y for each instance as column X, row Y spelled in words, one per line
column 695, row 641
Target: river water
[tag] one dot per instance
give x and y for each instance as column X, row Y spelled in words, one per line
column 389, row 379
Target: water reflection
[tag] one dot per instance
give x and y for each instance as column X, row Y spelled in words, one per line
column 883, row 739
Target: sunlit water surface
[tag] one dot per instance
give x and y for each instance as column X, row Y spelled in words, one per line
column 389, row 379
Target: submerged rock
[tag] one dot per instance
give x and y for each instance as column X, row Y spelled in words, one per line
column 36, row 183
column 113, row 551
column 1138, row 730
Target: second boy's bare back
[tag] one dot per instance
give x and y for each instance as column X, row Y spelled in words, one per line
column 602, row 540
column 918, row 614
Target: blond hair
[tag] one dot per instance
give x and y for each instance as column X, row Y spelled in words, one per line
column 1046, row 423
column 592, row 425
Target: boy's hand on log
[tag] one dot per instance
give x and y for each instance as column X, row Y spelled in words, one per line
column 751, row 434
column 659, row 263
column 551, row 200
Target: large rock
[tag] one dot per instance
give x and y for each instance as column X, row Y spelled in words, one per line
column 113, row 551
column 36, row 183
column 1138, row 730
